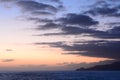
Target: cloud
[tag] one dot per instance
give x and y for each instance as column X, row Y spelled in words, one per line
column 61, row 7
column 78, row 19
column 39, row 20
column 70, row 30
column 56, row 1
column 42, row 13
column 103, row 11
column 53, row 44
column 105, row 8
column 113, row 23
column 47, row 26
column 9, row 50
column 70, row 19
column 103, row 49
column 113, row 33
column 115, row 15
column 96, row 49
column 7, row 60
column 8, row 0
column 35, row 6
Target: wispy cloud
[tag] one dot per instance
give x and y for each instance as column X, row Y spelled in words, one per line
column 7, row 60
column 8, row 50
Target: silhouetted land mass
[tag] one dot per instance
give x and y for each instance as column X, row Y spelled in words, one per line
column 108, row 67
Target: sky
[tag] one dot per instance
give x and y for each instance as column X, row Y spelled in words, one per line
column 58, row 34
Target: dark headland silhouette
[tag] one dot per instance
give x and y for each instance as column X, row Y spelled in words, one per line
column 107, row 67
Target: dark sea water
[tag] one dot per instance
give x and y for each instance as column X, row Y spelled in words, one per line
column 61, row 75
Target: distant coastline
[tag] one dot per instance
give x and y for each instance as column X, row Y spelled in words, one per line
column 108, row 67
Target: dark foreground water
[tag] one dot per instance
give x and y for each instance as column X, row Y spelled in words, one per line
column 61, row 75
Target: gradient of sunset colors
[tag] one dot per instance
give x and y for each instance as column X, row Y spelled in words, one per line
column 24, row 47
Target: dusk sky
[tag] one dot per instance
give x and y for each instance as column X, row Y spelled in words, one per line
column 58, row 34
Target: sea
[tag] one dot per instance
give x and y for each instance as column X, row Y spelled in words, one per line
column 61, row 75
